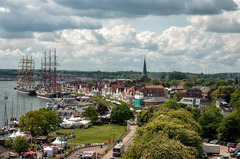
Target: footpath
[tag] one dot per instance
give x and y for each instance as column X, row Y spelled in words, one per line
column 128, row 139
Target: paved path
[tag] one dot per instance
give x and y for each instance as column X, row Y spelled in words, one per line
column 98, row 149
column 126, row 141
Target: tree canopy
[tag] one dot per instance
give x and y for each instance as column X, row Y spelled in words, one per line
column 229, row 128
column 20, row 144
column 39, row 122
column 172, row 104
column 210, row 121
column 177, row 76
column 169, row 133
column 91, row 113
column 121, row 113
column 224, row 92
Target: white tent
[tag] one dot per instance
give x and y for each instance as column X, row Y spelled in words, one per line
column 86, row 123
column 49, row 151
column 74, row 119
column 13, row 136
column 67, row 124
column 59, row 144
column 19, row 133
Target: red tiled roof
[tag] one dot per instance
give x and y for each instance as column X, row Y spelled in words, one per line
column 154, row 86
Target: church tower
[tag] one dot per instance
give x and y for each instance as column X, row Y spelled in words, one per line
column 144, row 68
column 144, row 77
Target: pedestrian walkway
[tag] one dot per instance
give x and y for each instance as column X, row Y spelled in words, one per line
column 126, row 141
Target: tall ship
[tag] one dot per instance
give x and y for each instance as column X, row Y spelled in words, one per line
column 26, row 75
column 49, row 88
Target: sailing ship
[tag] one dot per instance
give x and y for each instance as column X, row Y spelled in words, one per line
column 5, row 96
column 5, row 129
column 49, row 88
column 26, row 82
column 13, row 121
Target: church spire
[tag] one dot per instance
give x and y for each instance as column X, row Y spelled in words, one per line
column 144, row 68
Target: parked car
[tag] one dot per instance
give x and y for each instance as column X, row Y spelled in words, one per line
column 223, row 157
column 214, row 141
column 233, row 145
column 235, row 153
column 206, row 140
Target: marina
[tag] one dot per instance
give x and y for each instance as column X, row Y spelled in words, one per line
column 16, row 104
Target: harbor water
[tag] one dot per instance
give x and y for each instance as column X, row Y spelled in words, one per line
column 16, row 104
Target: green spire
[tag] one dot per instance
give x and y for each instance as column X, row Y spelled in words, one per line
column 144, row 68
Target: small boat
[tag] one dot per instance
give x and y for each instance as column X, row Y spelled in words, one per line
column 5, row 97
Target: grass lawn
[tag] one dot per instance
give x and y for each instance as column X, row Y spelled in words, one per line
column 95, row 134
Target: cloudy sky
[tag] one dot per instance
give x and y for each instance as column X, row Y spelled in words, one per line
column 116, row 35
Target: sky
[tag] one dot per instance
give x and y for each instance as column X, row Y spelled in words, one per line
column 116, row 35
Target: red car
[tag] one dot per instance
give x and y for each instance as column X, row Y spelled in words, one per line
column 233, row 145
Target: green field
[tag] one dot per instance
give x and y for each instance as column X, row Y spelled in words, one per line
column 95, row 134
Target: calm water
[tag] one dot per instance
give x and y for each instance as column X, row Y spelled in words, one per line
column 21, row 104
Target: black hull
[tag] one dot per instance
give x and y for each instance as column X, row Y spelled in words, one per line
column 26, row 92
column 48, row 96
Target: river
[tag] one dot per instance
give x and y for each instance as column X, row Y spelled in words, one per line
column 21, row 104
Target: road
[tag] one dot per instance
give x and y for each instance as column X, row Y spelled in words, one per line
column 128, row 139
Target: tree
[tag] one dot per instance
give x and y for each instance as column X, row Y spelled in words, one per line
column 20, row 144
column 53, row 120
column 8, row 143
column 102, row 109
column 39, row 122
column 121, row 113
column 229, row 128
column 33, row 121
column 224, row 92
column 210, row 121
column 155, row 82
column 196, row 113
column 236, row 80
column 172, row 104
column 174, row 82
column 177, row 76
column 168, row 134
column 235, row 97
column 91, row 113
column 188, row 85
column 179, row 95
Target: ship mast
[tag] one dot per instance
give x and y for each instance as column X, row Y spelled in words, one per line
column 49, row 72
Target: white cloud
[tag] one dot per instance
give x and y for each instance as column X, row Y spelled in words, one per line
column 2, row 9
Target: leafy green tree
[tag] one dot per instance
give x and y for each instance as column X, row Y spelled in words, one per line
column 121, row 113
column 20, row 144
column 236, row 80
column 172, row 104
column 179, row 95
column 177, row 76
column 91, row 113
column 53, row 120
column 196, row 113
column 158, row 145
column 230, row 127
column 188, row 85
column 102, row 109
column 168, row 134
column 34, row 122
column 210, row 121
column 224, row 92
column 235, row 97
column 144, row 116
column 155, row 82
column 8, row 143
column 174, row 82
column 39, row 122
